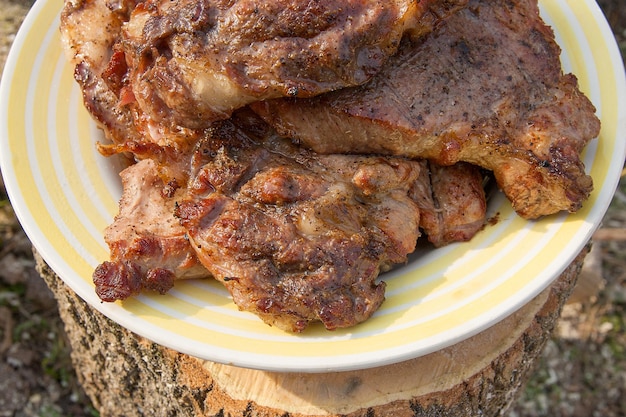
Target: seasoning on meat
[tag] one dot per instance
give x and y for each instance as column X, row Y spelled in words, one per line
column 486, row 87
column 298, row 206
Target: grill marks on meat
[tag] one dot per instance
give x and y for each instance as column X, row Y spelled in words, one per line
column 485, row 87
column 297, row 237
column 195, row 61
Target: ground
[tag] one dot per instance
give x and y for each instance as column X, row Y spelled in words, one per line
column 582, row 372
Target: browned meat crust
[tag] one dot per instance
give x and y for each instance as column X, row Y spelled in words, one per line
column 149, row 247
column 90, row 29
column 485, row 87
column 294, row 235
column 452, row 202
column 195, row 61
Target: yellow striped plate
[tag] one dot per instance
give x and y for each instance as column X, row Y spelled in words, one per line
column 65, row 194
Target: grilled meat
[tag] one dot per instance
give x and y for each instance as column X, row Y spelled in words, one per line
column 194, row 61
column 451, row 200
column 90, row 29
column 299, row 235
column 149, row 248
column 485, row 87
column 294, row 236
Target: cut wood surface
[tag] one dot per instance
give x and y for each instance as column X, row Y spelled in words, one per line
column 127, row 375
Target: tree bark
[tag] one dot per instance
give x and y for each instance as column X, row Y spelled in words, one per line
column 127, row 375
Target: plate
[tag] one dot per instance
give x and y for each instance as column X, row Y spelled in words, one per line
column 65, row 194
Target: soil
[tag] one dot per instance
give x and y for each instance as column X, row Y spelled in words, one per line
column 582, row 371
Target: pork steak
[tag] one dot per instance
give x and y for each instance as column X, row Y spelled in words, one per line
column 195, row 61
column 485, row 87
column 297, row 237
column 149, row 249
column 294, row 236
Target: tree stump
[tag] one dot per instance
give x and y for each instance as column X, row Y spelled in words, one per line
column 127, row 375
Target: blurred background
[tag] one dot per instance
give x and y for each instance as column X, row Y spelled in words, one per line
column 581, row 373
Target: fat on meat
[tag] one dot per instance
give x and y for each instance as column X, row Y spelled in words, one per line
column 90, row 29
column 452, row 201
